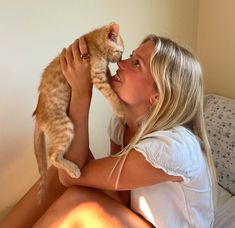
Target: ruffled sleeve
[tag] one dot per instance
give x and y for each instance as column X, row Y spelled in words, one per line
column 177, row 152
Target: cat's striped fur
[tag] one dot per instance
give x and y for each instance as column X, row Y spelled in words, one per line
column 54, row 130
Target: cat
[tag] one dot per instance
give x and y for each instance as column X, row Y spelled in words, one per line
column 54, row 129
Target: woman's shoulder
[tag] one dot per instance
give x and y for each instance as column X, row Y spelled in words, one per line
column 179, row 135
column 177, row 151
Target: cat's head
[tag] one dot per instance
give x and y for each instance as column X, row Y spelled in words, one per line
column 108, row 42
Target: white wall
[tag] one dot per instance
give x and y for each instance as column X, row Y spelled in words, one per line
column 216, row 45
column 32, row 33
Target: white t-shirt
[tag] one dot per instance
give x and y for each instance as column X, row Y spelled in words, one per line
column 172, row 204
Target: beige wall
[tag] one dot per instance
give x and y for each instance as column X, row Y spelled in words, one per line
column 32, row 33
column 216, row 45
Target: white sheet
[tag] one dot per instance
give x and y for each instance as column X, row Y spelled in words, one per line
column 223, row 195
column 225, row 215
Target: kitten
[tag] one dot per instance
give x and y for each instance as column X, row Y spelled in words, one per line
column 51, row 120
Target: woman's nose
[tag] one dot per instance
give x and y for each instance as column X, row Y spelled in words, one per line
column 121, row 64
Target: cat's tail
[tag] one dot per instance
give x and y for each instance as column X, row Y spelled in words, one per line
column 40, row 153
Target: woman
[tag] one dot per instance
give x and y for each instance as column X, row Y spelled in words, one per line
column 164, row 174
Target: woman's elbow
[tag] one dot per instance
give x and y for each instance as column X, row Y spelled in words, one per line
column 65, row 180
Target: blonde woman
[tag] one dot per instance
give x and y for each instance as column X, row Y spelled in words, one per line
column 160, row 172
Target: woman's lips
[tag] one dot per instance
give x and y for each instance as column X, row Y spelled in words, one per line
column 116, row 77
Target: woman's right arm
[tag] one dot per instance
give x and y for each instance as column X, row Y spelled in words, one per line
column 77, row 74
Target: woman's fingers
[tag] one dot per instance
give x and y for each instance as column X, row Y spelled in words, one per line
column 82, row 46
column 80, row 50
column 76, row 51
column 74, row 62
column 69, row 56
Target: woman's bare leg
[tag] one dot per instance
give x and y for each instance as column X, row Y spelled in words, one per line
column 87, row 207
column 28, row 211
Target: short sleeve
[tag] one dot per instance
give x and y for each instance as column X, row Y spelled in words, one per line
column 177, row 152
column 116, row 130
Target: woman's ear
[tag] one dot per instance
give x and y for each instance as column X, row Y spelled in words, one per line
column 153, row 98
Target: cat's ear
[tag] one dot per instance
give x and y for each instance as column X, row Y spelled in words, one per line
column 113, row 31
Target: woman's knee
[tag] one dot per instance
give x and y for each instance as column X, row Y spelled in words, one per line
column 79, row 207
column 72, row 193
column 87, row 207
column 78, row 194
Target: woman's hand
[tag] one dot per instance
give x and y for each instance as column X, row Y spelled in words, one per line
column 77, row 69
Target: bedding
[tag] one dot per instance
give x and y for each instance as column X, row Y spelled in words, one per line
column 219, row 114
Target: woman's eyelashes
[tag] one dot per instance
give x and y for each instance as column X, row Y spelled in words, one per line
column 135, row 62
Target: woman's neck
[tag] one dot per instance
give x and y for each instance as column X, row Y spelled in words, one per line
column 133, row 117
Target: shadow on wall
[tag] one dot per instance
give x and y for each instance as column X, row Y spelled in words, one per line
column 24, row 169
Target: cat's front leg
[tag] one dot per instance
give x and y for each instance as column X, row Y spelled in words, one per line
column 107, row 91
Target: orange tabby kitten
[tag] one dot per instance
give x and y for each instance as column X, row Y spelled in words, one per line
column 105, row 45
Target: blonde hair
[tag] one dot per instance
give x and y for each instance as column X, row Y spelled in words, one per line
column 178, row 77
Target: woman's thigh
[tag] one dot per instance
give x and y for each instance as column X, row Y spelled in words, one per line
column 27, row 210
column 87, row 207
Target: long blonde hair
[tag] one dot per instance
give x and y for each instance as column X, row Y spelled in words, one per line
column 178, row 77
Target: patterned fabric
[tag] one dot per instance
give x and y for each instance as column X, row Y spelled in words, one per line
column 220, row 124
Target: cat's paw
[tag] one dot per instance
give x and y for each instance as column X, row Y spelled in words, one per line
column 75, row 173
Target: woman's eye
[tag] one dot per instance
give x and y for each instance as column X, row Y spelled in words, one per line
column 135, row 61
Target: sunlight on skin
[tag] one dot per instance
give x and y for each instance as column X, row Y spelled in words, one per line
column 87, row 215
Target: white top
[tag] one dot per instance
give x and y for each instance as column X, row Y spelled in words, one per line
column 172, row 204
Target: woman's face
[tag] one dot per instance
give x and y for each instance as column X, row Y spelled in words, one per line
column 133, row 81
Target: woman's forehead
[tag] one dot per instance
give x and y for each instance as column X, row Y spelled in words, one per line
column 144, row 52
column 145, row 49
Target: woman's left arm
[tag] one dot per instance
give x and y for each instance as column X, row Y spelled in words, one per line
column 119, row 173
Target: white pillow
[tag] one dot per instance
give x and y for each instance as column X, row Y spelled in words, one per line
column 222, row 195
column 225, row 215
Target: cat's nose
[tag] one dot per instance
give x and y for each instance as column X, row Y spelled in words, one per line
column 120, row 55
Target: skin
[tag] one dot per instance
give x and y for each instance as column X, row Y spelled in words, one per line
column 76, row 202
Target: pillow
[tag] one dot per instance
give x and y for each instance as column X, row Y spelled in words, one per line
column 219, row 114
column 224, row 215
column 222, row 195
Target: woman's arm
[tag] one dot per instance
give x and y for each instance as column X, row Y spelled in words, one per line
column 119, row 173
column 77, row 74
